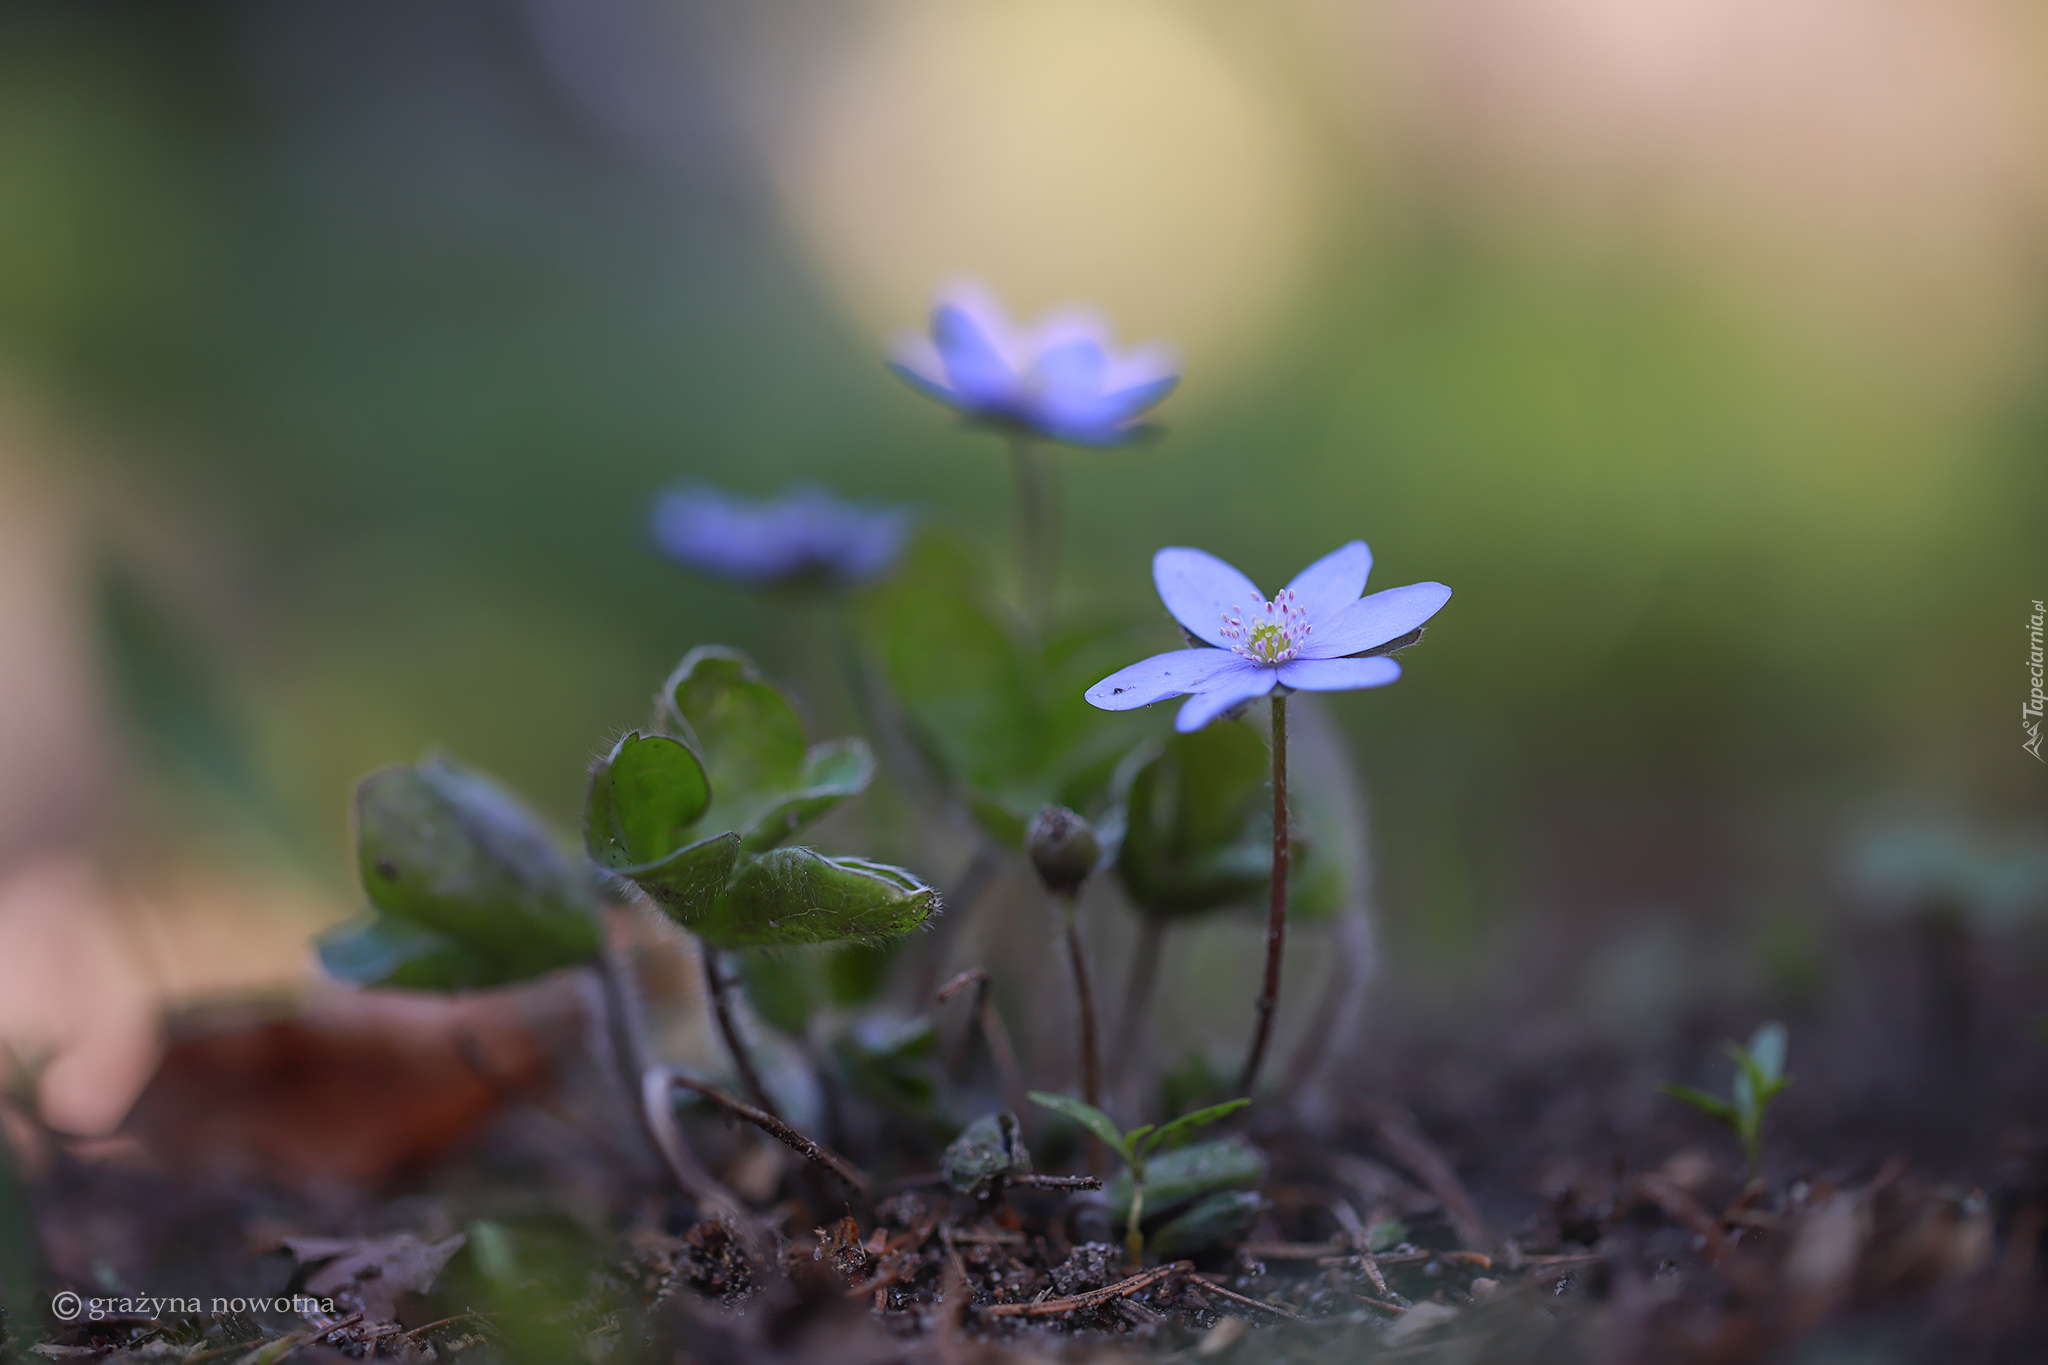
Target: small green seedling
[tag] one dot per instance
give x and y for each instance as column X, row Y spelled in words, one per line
column 1135, row 1146
column 1759, row 1076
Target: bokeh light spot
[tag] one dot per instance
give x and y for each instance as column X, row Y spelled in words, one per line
column 1100, row 150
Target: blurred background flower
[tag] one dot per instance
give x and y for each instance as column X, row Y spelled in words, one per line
column 1062, row 380
column 806, row 533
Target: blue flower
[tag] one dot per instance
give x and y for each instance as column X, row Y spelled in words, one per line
column 806, row 533
column 1307, row 637
column 1062, row 380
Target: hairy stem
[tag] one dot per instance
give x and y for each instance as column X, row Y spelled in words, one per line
column 1038, row 519
column 729, row 1028
column 1091, row 1058
column 1276, row 913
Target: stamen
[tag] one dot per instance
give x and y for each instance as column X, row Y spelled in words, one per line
column 1275, row 632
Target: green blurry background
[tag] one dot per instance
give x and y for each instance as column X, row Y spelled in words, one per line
column 1698, row 352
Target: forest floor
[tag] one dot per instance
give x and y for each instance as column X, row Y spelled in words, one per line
column 1501, row 1191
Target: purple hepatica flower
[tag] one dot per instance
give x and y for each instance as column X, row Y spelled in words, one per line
column 806, row 533
column 1306, row 637
column 1062, row 380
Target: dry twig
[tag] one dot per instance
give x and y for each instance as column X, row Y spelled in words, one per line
column 1234, row 1296
column 780, row 1131
column 1094, row 1298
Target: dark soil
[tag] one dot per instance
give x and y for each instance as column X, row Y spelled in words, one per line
column 1529, row 1196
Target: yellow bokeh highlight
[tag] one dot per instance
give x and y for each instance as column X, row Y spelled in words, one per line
column 1100, row 151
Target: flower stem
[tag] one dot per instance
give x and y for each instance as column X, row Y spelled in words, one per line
column 729, row 1028
column 1038, row 518
column 1091, row 1063
column 1276, row 913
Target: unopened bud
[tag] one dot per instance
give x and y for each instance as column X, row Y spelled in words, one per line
column 1063, row 848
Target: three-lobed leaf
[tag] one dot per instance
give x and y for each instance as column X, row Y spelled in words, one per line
column 695, row 817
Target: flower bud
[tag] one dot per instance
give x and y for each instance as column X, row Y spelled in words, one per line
column 1063, row 848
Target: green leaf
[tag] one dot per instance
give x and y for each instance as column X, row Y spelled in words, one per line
column 382, row 950
column 762, row 781
column 1178, row 1130
column 831, row 772
column 743, row 724
column 1712, row 1105
column 643, row 798
column 1216, row 1220
column 794, row 896
column 1198, row 828
column 688, row 883
column 448, row 850
column 856, row 973
column 786, row 985
column 1089, row 1117
column 783, row 986
column 1189, row 1173
column 998, row 713
column 958, row 665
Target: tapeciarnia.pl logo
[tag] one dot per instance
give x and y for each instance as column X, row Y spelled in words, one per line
column 2030, row 711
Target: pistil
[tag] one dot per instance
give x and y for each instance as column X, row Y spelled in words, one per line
column 1274, row 633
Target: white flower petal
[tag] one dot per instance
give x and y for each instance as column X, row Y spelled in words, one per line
column 1200, row 589
column 1338, row 675
column 1372, row 621
column 1333, row 582
column 1160, row 677
column 1230, row 688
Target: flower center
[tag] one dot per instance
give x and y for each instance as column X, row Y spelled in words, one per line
column 1271, row 633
